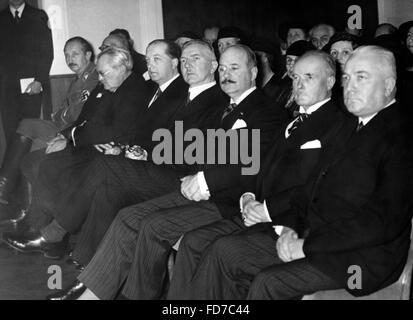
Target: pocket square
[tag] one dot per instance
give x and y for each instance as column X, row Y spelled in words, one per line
column 239, row 124
column 314, row 144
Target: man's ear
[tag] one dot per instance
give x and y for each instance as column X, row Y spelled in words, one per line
column 88, row 55
column 175, row 63
column 214, row 66
column 254, row 73
column 330, row 82
column 389, row 86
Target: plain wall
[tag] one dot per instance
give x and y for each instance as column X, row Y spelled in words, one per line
column 94, row 19
column 395, row 11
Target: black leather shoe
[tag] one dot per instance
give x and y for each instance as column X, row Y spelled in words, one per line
column 36, row 243
column 71, row 293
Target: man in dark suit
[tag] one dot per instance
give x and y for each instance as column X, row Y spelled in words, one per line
column 160, row 107
column 349, row 227
column 109, row 116
column 118, row 177
column 249, row 109
column 25, row 57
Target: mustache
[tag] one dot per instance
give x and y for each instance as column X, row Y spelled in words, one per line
column 227, row 81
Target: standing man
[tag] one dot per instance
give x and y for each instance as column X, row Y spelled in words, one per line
column 26, row 57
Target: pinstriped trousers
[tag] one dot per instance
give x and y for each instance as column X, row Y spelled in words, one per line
column 240, row 265
column 135, row 249
column 113, row 183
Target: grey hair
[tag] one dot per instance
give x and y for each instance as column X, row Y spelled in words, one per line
column 119, row 57
column 203, row 44
column 330, row 28
column 325, row 57
column 251, row 57
column 387, row 62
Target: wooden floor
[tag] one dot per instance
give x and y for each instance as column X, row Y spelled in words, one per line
column 25, row 276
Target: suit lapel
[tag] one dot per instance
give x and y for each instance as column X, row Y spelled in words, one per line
column 251, row 101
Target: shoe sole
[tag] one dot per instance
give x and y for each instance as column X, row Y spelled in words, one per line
column 47, row 255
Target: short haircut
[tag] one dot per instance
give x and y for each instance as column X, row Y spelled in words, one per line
column 125, row 34
column 123, row 41
column 330, row 28
column 84, row 44
column 172, row 49
column 387, row 62
column 325, row 57
column 203, row 44
column 251, row 57
column 119, row 57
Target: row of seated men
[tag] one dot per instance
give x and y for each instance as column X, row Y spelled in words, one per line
column 333, row 189
column 339, row 43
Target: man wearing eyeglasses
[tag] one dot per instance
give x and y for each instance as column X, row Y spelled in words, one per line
column 109, row 116
column 249, row 109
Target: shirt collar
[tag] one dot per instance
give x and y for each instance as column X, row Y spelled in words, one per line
column 19, row 9
column 195, row 91
column 167, row 83
column 314, row 107
column 243, row 96
column 366, row 120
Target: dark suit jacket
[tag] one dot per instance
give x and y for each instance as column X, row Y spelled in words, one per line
column 287, row 166
column 203, row 112
column 108, row 116
column 27, row 47
column 257, row 112
column 161, row 113
column 357, row 209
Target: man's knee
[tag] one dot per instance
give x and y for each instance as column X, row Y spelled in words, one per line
column 260, row 289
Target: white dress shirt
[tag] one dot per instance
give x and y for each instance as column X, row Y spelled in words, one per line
column 19, row 10
column 203, row 186
column 163, row 87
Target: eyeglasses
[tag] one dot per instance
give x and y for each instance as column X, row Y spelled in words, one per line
column 104, row 74
column 223, row 69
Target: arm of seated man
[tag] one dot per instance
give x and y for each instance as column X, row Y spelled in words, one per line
column 58, row 143
column 289, row 246
column 195, row 187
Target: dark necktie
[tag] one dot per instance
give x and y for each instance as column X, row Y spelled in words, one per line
column 188, row 99
column 16, row 16
column 360, row 126
column 229, row 109
column 297, row 122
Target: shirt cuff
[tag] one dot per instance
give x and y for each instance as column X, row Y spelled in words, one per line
column 267, row 214
column 72, row 134
column 203, row 186
column 241, row 200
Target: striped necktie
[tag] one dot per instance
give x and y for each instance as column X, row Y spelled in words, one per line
column 301, row 117
column 229, row 109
